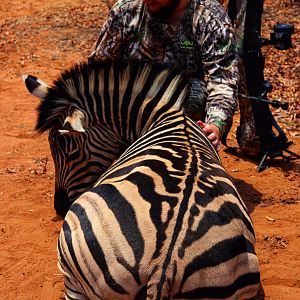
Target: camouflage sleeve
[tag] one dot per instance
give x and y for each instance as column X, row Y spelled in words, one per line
column 110, row 42
column 220, row 65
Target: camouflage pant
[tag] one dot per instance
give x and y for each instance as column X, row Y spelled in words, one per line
column 195, row 107
column 247, row 138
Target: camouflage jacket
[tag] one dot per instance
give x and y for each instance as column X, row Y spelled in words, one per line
column 202, row 45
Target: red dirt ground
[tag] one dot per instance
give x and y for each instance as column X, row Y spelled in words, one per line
column 44, row 37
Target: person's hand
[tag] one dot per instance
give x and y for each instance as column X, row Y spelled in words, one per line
column 213, row 133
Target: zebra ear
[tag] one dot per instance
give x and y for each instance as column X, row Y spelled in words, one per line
column 73, row 122
column 36, row 86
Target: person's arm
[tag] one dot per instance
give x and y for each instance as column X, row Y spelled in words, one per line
column 220, row 65
column 111, row 40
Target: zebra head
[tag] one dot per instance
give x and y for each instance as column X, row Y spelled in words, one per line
column 94, row 112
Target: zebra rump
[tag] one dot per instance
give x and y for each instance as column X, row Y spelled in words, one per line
column 156, row 215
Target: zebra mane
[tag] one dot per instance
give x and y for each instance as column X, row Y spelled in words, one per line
column 102, row 87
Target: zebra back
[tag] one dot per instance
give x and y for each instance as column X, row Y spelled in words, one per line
column 163, row 222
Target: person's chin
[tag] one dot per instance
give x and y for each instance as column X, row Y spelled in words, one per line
column 160, row 13
column 153, row 6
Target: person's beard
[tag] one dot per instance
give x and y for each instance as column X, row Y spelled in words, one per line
column 165, row 12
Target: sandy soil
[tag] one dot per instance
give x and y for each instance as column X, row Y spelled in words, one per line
column 42, row 38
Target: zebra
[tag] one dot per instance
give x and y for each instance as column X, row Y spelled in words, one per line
column 163, row 219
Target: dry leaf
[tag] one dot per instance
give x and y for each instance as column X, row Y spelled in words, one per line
column 270, row 219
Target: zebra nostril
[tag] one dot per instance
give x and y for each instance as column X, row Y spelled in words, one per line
column 61, row 202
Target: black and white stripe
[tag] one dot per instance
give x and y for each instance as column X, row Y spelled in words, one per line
column 163, row 220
